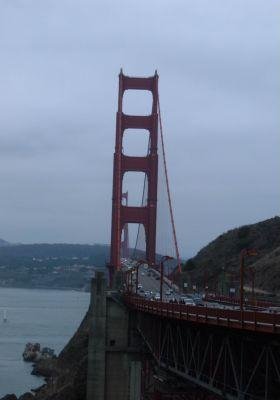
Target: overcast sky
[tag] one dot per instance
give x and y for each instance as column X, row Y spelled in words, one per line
column 218, row 63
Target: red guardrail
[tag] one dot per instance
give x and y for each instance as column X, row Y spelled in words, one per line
column 192, row 394
column 236, row 300
column 249, row 320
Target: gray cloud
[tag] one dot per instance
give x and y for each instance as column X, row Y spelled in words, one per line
column 218, row 64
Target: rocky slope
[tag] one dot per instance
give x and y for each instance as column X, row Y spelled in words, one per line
column 66, row 375
column 268, row 271
column 219, row 260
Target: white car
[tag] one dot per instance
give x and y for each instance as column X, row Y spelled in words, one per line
column 188, row 301
column 157, row 296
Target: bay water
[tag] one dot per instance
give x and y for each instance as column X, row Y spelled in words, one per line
column 49, row 317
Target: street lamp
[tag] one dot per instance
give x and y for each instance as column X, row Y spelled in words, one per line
column 163, row 259
column 253, row 273
column 140, row 262
column 244, row 253
column 222, row 289
column 128, row 280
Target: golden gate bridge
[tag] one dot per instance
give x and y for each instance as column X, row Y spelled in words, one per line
column 144, row 346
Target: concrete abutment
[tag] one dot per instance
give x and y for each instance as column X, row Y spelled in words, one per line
column 114, row 351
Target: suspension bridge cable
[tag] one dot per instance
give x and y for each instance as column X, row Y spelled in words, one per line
column 168, row 190
column 168, row 196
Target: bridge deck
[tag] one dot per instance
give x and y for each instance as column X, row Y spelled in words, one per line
column 235, row 319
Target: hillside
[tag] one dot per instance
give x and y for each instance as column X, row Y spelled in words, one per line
column 50, row 265
column 268, row 271
column 217, row 264
column 69, row 370
column 4, row 243
column 10, row 253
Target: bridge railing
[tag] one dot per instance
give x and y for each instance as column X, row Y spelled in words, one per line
column 236, row 301
column 248, row 320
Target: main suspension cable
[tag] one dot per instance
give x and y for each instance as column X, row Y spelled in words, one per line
column 168, row 190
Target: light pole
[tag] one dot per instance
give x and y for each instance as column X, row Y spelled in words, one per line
column 128, row 275
column 223, row 281
column 252, row 273
column 163, row 259
column 131, row 284
column 244, row 253
column 140, row 262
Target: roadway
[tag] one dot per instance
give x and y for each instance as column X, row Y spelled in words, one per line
column 149, row 288
column 150, row 281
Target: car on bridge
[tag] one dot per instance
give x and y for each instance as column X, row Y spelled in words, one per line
column 188, row 301
column 198, row 300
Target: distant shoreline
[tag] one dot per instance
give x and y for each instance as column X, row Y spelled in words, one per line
column 62, row 288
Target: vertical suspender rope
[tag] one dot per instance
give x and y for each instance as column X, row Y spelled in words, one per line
column 168, row 190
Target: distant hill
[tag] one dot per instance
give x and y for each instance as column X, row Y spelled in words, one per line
column 4, row 243
column 220, row 259
column 56, row 266
column 96, row 254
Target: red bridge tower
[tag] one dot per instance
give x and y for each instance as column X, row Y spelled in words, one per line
column 123, row 214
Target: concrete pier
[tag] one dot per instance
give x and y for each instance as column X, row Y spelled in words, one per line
column 114, row 353
column 97, row 340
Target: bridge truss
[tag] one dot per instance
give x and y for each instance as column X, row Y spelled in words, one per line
column 240, row 361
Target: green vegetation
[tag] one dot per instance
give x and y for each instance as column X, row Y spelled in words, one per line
column 217, row 264
column 243, row 236
column 189, row 265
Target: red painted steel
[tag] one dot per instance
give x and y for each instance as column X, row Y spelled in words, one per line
column 123, row 214
column 192, row 394
column 236, row 301
column 234, row 319
column 125, row 242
